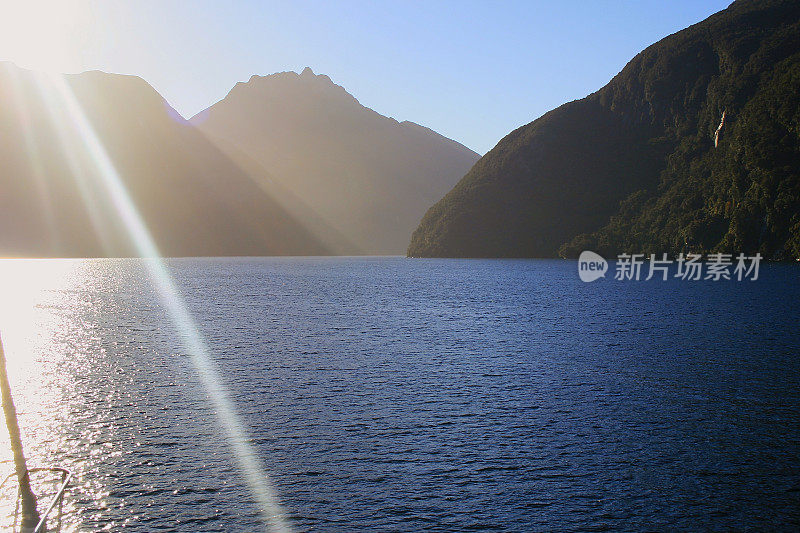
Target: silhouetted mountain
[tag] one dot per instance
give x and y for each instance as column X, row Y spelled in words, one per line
column 361, row 180
column 193, row 198
column 634, row 167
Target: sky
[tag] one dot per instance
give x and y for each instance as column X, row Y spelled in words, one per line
column 473, row 71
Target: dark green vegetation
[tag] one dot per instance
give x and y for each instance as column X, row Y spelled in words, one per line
column 633, row 167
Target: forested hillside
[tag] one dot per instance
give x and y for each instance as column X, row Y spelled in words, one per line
column 634, row 166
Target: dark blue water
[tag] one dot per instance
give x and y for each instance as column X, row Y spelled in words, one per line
column 441, row 395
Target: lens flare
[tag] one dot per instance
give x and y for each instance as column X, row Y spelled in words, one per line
column 33, row 153
column 272, row 514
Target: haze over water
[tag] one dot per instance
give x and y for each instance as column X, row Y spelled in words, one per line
column 394, row 394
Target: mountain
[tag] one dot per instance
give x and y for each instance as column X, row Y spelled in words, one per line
column 192, row 197
column 634, row 167
column 362, row 180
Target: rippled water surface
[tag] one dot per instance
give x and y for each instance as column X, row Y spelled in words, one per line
column 405, row 395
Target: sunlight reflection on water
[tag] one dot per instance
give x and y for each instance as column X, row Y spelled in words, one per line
column 87, row 376
column 390, row 394
column 34, row 327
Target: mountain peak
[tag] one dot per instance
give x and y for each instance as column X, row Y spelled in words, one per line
column 358, row 179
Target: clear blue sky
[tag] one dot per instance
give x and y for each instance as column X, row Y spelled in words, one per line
column 473, row 71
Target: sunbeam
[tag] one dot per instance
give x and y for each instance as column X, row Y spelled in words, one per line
column 77, row 171
column 32, row 152
column 273, row 516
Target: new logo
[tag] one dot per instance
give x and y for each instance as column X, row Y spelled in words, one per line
column 591, row 266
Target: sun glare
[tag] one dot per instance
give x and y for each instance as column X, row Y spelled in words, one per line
column 249, row 463
column 23, row 285
column 43, row 34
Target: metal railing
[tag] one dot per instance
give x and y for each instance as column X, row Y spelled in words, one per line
column 58, row 498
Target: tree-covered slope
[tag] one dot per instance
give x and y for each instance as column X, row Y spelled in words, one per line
column 634, row 167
